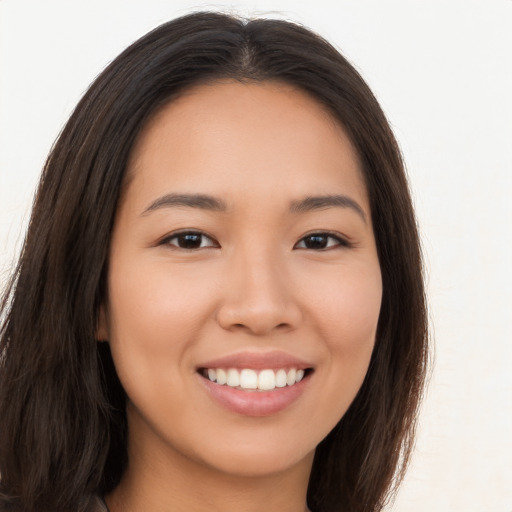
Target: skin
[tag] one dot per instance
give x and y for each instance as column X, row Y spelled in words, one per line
column 256, row 284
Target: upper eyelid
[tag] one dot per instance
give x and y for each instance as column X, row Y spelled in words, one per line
column 334, row 234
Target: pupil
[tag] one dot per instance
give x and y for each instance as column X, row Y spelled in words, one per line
column 190, row 241
column 316, row 242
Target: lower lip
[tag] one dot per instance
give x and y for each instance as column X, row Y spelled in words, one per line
column 253, row 402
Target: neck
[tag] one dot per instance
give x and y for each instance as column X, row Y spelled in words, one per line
column 170, row 482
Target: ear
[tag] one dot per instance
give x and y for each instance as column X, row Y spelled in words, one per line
column 102, row 331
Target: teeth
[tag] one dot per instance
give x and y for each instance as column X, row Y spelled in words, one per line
column 280, row 379
column 222, row 378
column 248, row 379
column 233, row 378
column 265, row 380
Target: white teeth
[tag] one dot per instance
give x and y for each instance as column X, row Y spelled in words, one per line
column 247, row 378
column 290, row 378
column 233, row 378
column 280, row 379
column 222, row 378
column 266, row 380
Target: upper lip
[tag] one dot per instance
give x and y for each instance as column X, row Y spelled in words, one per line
column 257, row 361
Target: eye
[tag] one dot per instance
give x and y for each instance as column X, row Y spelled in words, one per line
column 189, row 240
column 321, row 241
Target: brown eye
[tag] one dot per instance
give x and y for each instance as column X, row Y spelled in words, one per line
column 189, row 240
column 320, row 241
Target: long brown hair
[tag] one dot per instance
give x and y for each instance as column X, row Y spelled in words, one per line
column 63, row 425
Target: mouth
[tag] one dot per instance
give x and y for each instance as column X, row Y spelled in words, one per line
column 256, row 384
column 251, row 392
column 249, row 379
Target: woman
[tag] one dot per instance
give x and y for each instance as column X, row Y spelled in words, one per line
column 219, row 303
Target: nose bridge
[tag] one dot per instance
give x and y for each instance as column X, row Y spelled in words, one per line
column 257, row 296
column 259, row 276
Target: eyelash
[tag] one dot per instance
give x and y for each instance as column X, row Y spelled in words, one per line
column 167, row 240
column 339, row 241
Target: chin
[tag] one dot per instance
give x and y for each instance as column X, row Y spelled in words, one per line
column 264, row 463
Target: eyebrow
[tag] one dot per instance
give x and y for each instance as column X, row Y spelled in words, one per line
column 201, row 201
column 207, row 202
column 313, row 203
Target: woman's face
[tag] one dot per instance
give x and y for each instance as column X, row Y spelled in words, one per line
column 242, row 249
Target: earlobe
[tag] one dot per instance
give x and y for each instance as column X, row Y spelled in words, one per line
column 102, row 327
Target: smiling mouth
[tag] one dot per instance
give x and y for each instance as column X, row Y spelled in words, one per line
column 248, row 379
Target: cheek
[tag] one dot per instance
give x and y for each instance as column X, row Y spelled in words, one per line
column 346, row 314
column 156, row 299
column 357, row 313
column 346, row 304
column 154, row 314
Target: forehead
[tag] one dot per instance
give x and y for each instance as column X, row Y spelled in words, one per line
column 228, row 135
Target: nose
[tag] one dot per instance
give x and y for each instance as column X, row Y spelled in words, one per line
column 257, row 297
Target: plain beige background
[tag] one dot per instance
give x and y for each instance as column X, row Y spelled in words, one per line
column 443, row 73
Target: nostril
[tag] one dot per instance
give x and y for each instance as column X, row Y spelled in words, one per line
column 258, row 312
